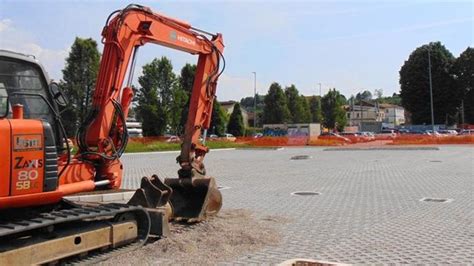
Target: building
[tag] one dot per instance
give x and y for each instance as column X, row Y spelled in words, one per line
column 134, row 128
column 394, row 114
column 292, row 130
column 374, row 113
column 228, row 107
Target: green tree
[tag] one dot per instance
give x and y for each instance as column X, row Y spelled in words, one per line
column 296, row 106
column 236, row 122
column 218, row 119
column 276, row 108
column 248, row 102
column 463, row 70
column 186, row 81
column 364, row 96
column 315, row 109
column 306, row 113
column 79, row 77
column 394, row 99
column 155, row 96
column 378, row 93
column 415, row 87
column 179, row 103
column 334, row 115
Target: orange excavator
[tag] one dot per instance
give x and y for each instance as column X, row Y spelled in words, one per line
column 37, row 225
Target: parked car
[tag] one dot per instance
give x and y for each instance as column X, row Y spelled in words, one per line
column 258, row 135
column 353, row 137
column 334, row 137
column 467, row 132
column 213, row 136
column 135, row 132
column 369, row 136
column 228, row 137
column 173, row 139
column 404, row 131
column 386, row 134
column 448, row 132
column 433, row 133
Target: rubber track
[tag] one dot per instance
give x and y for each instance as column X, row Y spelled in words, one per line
column 79, row 213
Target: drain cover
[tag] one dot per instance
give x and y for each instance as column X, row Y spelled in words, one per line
column 300, row 157
column 222, row 188
column 436, row 200
column 305, row 193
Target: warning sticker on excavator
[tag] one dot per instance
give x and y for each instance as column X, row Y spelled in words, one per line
column 27, row 142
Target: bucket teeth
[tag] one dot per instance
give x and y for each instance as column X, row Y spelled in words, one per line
column 153, row 193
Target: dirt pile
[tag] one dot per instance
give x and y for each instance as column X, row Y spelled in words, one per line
column 229, row 235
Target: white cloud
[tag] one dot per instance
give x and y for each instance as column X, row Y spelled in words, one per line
column 5, row 24
column 236, row 88
column 21, row 41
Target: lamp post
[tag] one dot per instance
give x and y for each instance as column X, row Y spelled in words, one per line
column 431, row 90
column 254, row 100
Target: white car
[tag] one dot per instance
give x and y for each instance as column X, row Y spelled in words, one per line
column 229, row 137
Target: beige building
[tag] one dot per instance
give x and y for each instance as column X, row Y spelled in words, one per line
column 369, row 112
column 293, row 130
column 228, row 107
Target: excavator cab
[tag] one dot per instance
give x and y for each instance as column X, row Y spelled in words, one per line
column 24, row 82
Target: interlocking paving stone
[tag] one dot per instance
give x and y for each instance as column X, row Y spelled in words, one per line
column 369, row 210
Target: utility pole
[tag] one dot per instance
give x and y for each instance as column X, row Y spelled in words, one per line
column 320, row 95
column 254, row 100
column 462, row 112
column 431, row 90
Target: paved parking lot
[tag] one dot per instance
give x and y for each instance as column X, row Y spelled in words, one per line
column 368, row 210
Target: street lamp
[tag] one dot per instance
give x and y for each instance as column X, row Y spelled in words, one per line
column 431, row 90
column 254, row 100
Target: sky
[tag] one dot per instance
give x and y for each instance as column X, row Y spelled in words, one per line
column 347, row 45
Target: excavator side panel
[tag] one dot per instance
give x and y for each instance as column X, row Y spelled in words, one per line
column 27, row 160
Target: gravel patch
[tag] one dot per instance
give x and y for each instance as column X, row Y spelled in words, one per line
column 226, row 236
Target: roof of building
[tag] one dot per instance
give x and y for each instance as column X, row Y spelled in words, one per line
column 226, row 103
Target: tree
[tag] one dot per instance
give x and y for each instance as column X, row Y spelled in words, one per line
column 315, row 109
column 276, row 108
column 463, row 71
column 298, row 113
column 155, row 96
column 248, row 102
column 364, row 96
column 186, row 81
column 218, row 119
column 79, row 77
column 306, row 113
column 333, row 112
column 378, row 93
column 179, row 103
column 394, row 99
column 236, row 122
column 415, row 86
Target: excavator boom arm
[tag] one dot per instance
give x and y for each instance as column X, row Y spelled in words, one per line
column 129, row 29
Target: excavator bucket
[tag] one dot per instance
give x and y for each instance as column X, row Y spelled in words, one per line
column 194, row 200
column 154, row 195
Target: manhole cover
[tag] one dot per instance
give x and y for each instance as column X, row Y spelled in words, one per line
column 222, row 188
column 300, row 157
column 435, row 161
column 436, row 200
column 305, row 193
